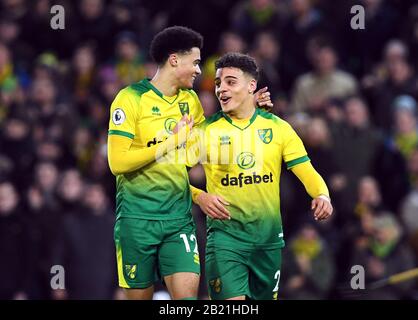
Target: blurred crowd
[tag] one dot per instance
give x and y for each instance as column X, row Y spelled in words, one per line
column 350, row 94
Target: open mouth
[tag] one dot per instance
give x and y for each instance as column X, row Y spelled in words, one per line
column 224, row 100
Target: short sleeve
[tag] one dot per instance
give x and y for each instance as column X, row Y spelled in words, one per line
column 123, row 114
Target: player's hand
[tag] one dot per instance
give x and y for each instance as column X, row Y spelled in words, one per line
column 322, row 208
column 262, row 99
column 213, row 206
column 184, row 121
column 190, row 122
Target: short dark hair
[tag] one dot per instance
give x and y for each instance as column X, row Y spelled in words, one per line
column 172, row 40
column 240, row 61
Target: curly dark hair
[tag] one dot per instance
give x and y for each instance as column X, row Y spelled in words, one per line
column 240, row 61
column 172, row 40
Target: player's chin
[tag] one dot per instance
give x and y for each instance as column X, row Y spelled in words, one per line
column 190, row 83
column 228, row 107
column 225, row 109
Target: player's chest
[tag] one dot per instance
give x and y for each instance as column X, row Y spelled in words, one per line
column 158, row 120
column 245, row 148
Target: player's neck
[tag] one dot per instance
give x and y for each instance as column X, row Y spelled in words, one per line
column 163, row 81
column 244, row 111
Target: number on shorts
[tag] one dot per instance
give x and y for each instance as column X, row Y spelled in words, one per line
column 277, row 276
column 186, row 242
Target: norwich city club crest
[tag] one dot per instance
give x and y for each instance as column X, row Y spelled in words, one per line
column 184, row 108
column 130, row 270
column 266, row 135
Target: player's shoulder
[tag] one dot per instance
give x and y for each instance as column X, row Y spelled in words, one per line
column 213, row 119
column 191, row 93
column 139, row 88
column 268, row 116
column 275, row 120
column 134, row 90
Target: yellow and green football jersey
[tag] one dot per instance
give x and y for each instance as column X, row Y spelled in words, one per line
column 242, row 163
column 160, row 190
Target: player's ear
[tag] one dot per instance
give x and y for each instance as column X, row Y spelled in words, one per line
column 252, row 86
column 173, row 60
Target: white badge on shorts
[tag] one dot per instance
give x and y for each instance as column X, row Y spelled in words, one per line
column 118, row 116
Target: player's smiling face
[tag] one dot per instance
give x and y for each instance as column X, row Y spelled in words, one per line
column 233, row 88
column 188, row 68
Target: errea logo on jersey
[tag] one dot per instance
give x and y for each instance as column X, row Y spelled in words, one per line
column 225, row 140
column 118, row 116
column 156, row 111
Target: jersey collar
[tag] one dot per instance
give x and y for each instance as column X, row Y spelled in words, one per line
column 227, row 118
column 148, row 84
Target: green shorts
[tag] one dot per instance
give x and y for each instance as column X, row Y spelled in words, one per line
column 254, row 273
column 149, row 249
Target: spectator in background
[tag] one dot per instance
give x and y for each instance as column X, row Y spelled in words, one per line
column 369, row 198
column 405, row 135
column 401, row 80
column 98, row 165
column 409, row 205
column 93, row 25
column 229, row 42
column 45, row 183
column 82, row 148
column 312, row 90
column 318, row 143
column 14, row 245
column 44, row 214
column 10, row 31
column 129, row 59
column 85, row 249
column 83, row 75
column 267, row 53
column 305, row 23
column 382, row 21
column 109, row 84
column 394, row 50
column 96, row 117
column 6, row 65
column 254, row 16
column 16, row 145
column 70, row 191
column 390, row 165
column 354, row 150
column 308, row 266
column 383, row 253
